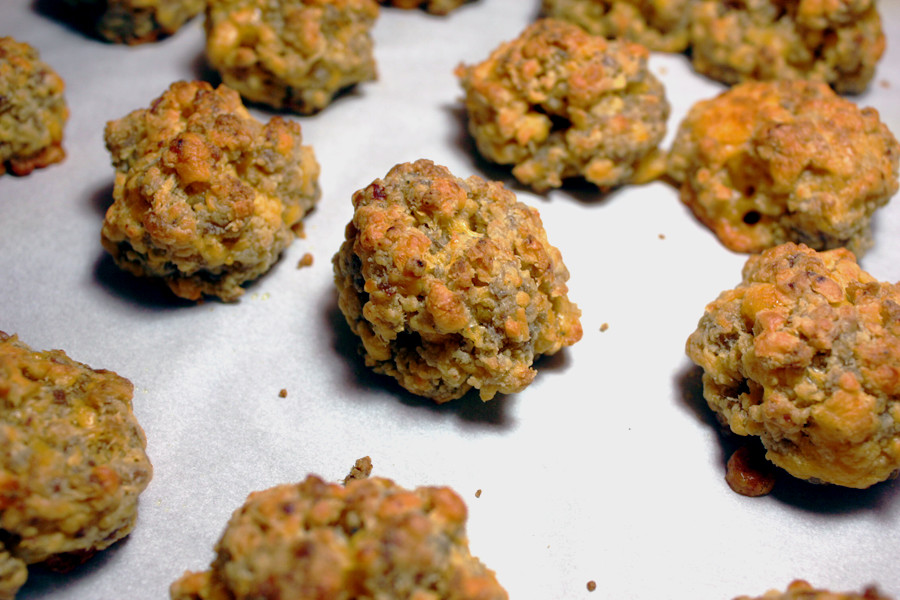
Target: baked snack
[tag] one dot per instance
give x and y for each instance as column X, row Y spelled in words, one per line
column 134, row 21
column 802, row 590
column 435, row 7
column 451, row 284
column 557, row 103
column 662, row 25
column 805, row 354
column 770, row 162
column 72, row 460
column 205, row 197
column 33, row 110
column 838, row 42
column 291, row 54
column 318, row 540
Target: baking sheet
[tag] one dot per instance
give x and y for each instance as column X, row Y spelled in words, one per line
column 608, row 468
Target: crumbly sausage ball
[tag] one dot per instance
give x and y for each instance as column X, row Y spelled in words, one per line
column 452, row 284
column 33, row 110
column 661, row 25
column 770, row 162
column 805, row 354
column 291, row 54
column 135, row 21
column 370, row 539
column 835, row 41
column 72, row 460
column 435, row 7
column 801, row 590
column 205, row 195
column 558, row 102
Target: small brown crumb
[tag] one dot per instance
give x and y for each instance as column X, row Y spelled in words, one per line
column 305, row 261
column 591, row 585
column 604, row 327
column 748, row 472
column 282, row 393
column 478, row 493
column 884, row 83
column 362, row 468
column 662, row 236
column 663, row 70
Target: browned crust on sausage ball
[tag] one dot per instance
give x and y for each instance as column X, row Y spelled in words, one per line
column 435, row 7
column 72, row 460
column 802, row 590
column 33, row 110
column 451, row 284
column 770, row 162
column 205, row 195
column 368, row 539
column 291, row 54
column 559, row 103
column 134, row 21
column 838, row 42
column 805, row 354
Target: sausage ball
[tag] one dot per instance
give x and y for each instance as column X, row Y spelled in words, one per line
column 134, row 21
column 838, row 42
column 291, row 54
column 661, row 25
column 805, row 354
column 801, row 590
column 451, row 284
column 33, row 110
column 558, row 102
column 72, row 460
column 205, row 196
column 435, row 7
column 771, row 162
column 371, row 539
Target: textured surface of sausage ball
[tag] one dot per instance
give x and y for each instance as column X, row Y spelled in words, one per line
column 291, row 54
column 72, row 460
column 557, row 103
column 661, row 25
column 805, row 354
column 770, row 162
column 451, row 284
column 134, row 21
column 370, row 539
column 435, row 7
column 802, row 590
column 33, row 110
column 205, row 196
column 835, row 41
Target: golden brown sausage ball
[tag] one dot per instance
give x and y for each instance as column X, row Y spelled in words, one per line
column 770, row 162
column 371, row 539
column 805, row 354
column 661, row 25
column 33, row 110
column 135, row 21
column 206, row 197
column 835, row 41
column 451, row 284
column 72, row 460
column 291, row 54
column 435, row 7
column 801, row 590
column 558, row 103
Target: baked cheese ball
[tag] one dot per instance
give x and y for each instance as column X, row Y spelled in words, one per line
column 135, row 21
column 661, row 25
column 33, row 110
column 838, row 42
column 559, row 103
column 791, row 161
column 291, row 54
column 805, row 354
column 435, row 7
column 369, row 539
column 72, row 460
column 451, row 284
column 205, row 197
column 802, row 590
